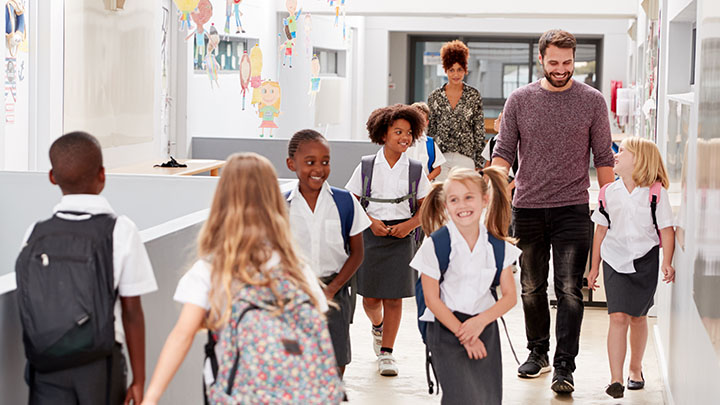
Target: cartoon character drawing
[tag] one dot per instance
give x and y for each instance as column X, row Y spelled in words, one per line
column 233, row 7
column 314, row 79
column 269, row 105
column 200, row 16
column 245, row 71
column 294, row 14
column 185, row 7
column 256, row 64
column 308, row 31
column 288, row 47
column 213, row 39
column 14, row 25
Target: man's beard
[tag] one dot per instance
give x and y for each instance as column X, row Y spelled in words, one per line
column 554, row 82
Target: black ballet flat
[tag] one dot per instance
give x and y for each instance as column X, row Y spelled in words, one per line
column 636, row 385
column 615, row 390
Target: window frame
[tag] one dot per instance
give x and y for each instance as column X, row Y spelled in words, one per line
column 532, row 59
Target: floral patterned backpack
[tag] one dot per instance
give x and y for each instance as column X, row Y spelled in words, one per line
column 270, row 356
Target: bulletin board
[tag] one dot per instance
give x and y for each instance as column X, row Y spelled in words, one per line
column 110, row 67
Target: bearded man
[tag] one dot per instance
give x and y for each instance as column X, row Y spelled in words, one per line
column 554, row 124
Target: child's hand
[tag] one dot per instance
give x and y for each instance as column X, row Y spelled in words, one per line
column 592, row 279
column 401, row 230
column 476, row 350
column 470, row 330
column 134, row 393
column 378, row 228
column 329, row 293
column 668, row 273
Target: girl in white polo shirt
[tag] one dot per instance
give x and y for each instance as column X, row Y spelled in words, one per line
column 465, row 343
column 391, row 187
column 627, row 241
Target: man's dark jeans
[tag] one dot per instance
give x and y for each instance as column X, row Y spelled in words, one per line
column 568, row 231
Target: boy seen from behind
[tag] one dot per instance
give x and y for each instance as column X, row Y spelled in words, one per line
column 70, row 273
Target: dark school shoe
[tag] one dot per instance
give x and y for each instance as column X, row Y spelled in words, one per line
column 562, row 382
column 537, row 363
column 636, row 385
column 615, row 390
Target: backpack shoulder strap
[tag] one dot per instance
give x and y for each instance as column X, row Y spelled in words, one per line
column 346, row 209
column 602, row 203
column 498, row 246
column 416, row 172
column 654, row 201
column 366, row 172
column 441, row 241
column 430, row 144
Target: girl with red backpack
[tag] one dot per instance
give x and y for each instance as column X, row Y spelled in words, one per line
column 634, row 219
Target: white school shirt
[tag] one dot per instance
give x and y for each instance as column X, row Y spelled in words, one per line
column 388, row 182
column 632, row 233
column 194, row 286
column 418, row 151
column 319, row 233
column 466, row 284
column 132, row 272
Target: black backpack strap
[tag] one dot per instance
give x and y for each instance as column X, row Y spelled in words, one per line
column 366, row 172
column 414, row 174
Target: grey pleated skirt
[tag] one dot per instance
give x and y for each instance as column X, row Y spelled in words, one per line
column 385, row 271
column 633, row 293
column 464, row 380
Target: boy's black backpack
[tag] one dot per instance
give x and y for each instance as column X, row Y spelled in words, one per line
column 65, row 292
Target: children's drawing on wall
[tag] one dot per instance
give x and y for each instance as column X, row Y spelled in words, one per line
column 200, row 16
column 269, row 106
column 314, row 78
column 292, row 19
column 232, row 7
column 307, row 26
column 211, row 64
column 256, row 64
column 185, row 7
column 15, row 28
column 287, row 48
column 245, row 71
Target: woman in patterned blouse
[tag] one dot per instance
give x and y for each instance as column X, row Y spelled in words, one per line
column 456, row 113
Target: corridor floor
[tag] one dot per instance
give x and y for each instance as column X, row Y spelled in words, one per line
column 366, row 386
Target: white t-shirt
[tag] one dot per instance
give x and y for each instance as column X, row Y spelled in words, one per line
column 632, row 233
column 418, row 151
column 132, row 272
column 466, row 284
column 388, row 182
column 194, row 286
column 319, row 233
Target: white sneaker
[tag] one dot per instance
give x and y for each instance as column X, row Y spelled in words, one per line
column 386, row 365
column 377, row 340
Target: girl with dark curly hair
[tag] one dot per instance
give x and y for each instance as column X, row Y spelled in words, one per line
column 457, row 122
column 391, row 188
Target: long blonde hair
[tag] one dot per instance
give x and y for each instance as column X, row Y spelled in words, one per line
column 433, row 213
column 248, row 223
column 649, row 167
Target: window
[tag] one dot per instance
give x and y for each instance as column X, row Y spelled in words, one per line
column 496, row 66
column 332, row 62
column 228, row 53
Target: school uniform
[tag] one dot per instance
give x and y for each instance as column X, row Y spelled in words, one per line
column 319, row 236
column 418, row 151
column 630, row 250
column 132, row 276
column 465, row 290
column 385, row 271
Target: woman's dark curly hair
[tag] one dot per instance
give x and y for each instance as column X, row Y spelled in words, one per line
column 382, row 119
column 454, row 52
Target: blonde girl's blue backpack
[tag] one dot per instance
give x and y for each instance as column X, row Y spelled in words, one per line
column 441, row 242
